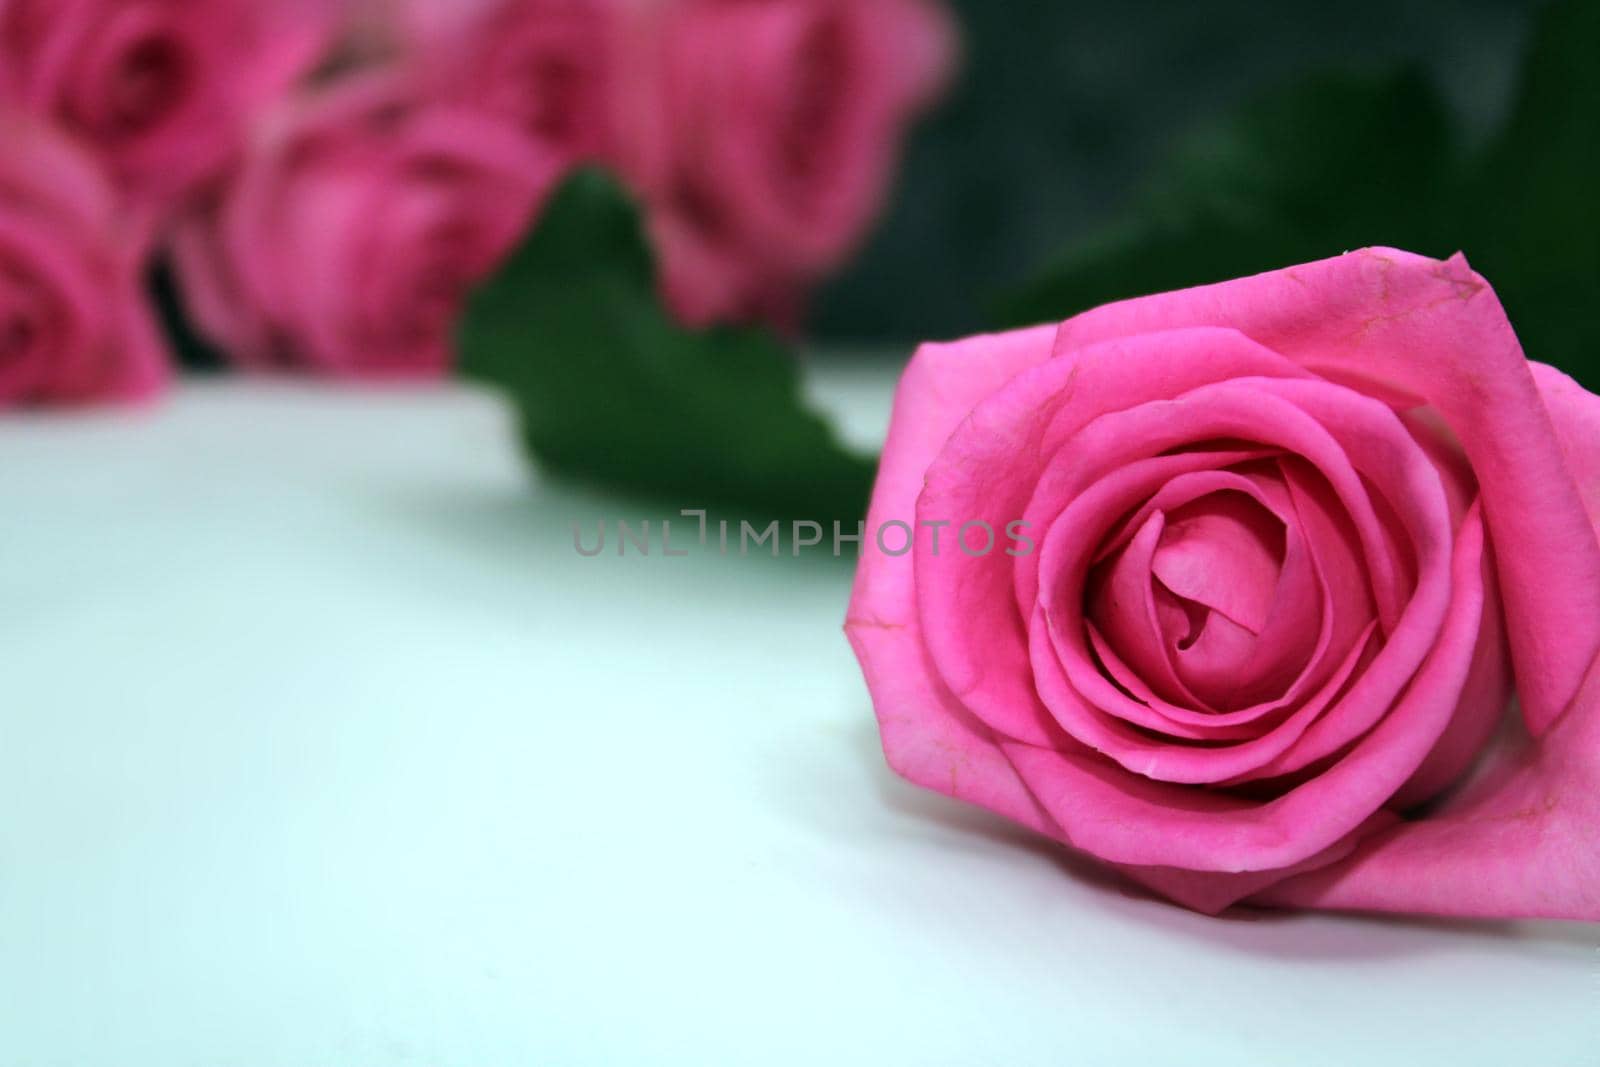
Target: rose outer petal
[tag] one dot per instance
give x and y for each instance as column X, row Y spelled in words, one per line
column 1523, row 840
column 1519, row 843
column 1212, row 893
column 1576, row 414
column 928, row 737
column 1433, row 332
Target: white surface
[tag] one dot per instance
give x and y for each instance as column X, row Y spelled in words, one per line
column 322, row 746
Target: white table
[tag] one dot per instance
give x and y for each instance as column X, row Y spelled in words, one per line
column 322, row 746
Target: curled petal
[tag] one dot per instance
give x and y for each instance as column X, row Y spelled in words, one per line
column 1423, row 332
column 1100, row 477
column 995, row 453
column 1126, row 818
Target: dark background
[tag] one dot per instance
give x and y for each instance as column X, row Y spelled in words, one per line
column 1063, row 109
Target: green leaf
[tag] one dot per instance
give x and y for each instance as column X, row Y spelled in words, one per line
column 611, row 391
column 1534, row 211
column 1332, row 163
column 189, row 349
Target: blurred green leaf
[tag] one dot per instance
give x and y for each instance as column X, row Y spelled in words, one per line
column 191, row 351
column 1343, row 161
column 610, row 390
column 1534, row 208
column 1329, row 164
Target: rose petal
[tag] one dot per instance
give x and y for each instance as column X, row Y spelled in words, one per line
column 1227, row 556
column 1128, row 819
column 1123, row 604
column 990, row 469
column 1102, row 456
column 1379, row 446
column 1520, row 841
column 1336, row 633
column 1434, row 332
column 927, row 736
column 938, row 391
column 1212, row 893
column 1226, row 410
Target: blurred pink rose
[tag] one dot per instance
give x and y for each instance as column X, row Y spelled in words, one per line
column 386, row 29
column 545, row 65
column 162, row 88
column 706, row 279
column 73, row 323
column 354, row 228
column 418, row 23
column 768, row 130
column 760, row 134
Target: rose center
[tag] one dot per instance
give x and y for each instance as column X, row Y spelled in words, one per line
column 816, row 104
column 145, row 85
column 555, row 97
column 17, row 335
column 1197, row 593
column 545, row 80
column 1221, row 554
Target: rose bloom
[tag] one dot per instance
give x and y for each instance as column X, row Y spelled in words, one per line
column 763, row 135
column 1296, row 535
column 704, row 281
column 161, row 88
column 352, row 231
column 73, row 322
column 547, row 66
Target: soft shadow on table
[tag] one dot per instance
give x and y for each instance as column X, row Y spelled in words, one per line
column 525, row 540
column 1289, row 935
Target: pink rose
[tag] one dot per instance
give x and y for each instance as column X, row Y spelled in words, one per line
column 418, row 24
column 73, row 322
column 547, row 66
column 764, row 132
column 704, row 281
column 1284, row 543
column 354, row 228
column 162, row 88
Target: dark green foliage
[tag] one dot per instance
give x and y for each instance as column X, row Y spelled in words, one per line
column 1330, row 164
column 1344, row 161
column 611, row 391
